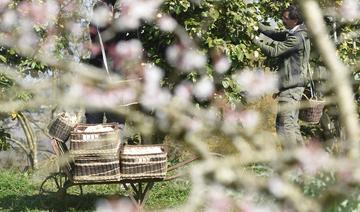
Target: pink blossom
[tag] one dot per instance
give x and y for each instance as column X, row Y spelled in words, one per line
column 4, row 3
column 313, row 158
column 115, row 205
column 43, row 13
column 218, row 201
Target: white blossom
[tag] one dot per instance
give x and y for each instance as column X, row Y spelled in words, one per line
column 257, row 83
column 183, row 92
column 9, row 19
column 173, row 54
column 130, row 50
column 235, row 120
column 155, row 98
column 133, row 11
column 277, row 187
column 204, row 88
column 152, row 76
column 102, row 16
column 186, row 59
column 222, row 64
column 167, row 23
column 350, row 9
column 193, row 59
column 100, row 98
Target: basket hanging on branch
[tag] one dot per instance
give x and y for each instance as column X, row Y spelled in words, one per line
column 313, row 111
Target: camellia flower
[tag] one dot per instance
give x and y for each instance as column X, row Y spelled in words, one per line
column 257, row 83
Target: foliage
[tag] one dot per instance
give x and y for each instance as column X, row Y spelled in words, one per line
column 4, row 145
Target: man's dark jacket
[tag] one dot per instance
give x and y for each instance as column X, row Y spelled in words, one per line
column 292, row 50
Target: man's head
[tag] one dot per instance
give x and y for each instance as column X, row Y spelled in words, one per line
column 291, row 17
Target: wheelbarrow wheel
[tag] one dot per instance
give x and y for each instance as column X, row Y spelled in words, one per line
column 58, row 186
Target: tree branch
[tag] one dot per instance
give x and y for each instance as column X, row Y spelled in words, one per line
column 339, row 74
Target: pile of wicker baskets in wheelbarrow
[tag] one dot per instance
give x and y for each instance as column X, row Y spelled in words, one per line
column 98, row 154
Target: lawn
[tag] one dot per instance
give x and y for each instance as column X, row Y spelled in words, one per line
column 19, row 191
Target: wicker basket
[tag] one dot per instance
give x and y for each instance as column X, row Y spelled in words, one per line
column 313, row 113
column 60, row 128
column 142, row 162
column 95, row 143
column 96, row 169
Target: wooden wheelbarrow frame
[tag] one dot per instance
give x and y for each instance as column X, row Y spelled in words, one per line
column 138, row 189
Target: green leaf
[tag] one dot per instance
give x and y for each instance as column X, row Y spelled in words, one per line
column 3, row 59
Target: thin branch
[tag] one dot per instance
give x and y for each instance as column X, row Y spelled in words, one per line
column 20, row 144
column 339, row 74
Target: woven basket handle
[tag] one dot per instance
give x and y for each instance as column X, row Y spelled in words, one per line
column 308, row 68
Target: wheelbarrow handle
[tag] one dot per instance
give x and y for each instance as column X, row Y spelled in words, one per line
column 182, row 163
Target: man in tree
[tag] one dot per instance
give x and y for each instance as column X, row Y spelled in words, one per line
column 292, row 49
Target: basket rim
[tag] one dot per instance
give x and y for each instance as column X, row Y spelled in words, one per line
column 163, row 148
column 73, row 132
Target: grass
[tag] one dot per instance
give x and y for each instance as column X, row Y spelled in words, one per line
column 19, row 191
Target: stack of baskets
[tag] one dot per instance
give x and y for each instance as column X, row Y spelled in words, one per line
column 95, row 153
column 99, row 156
